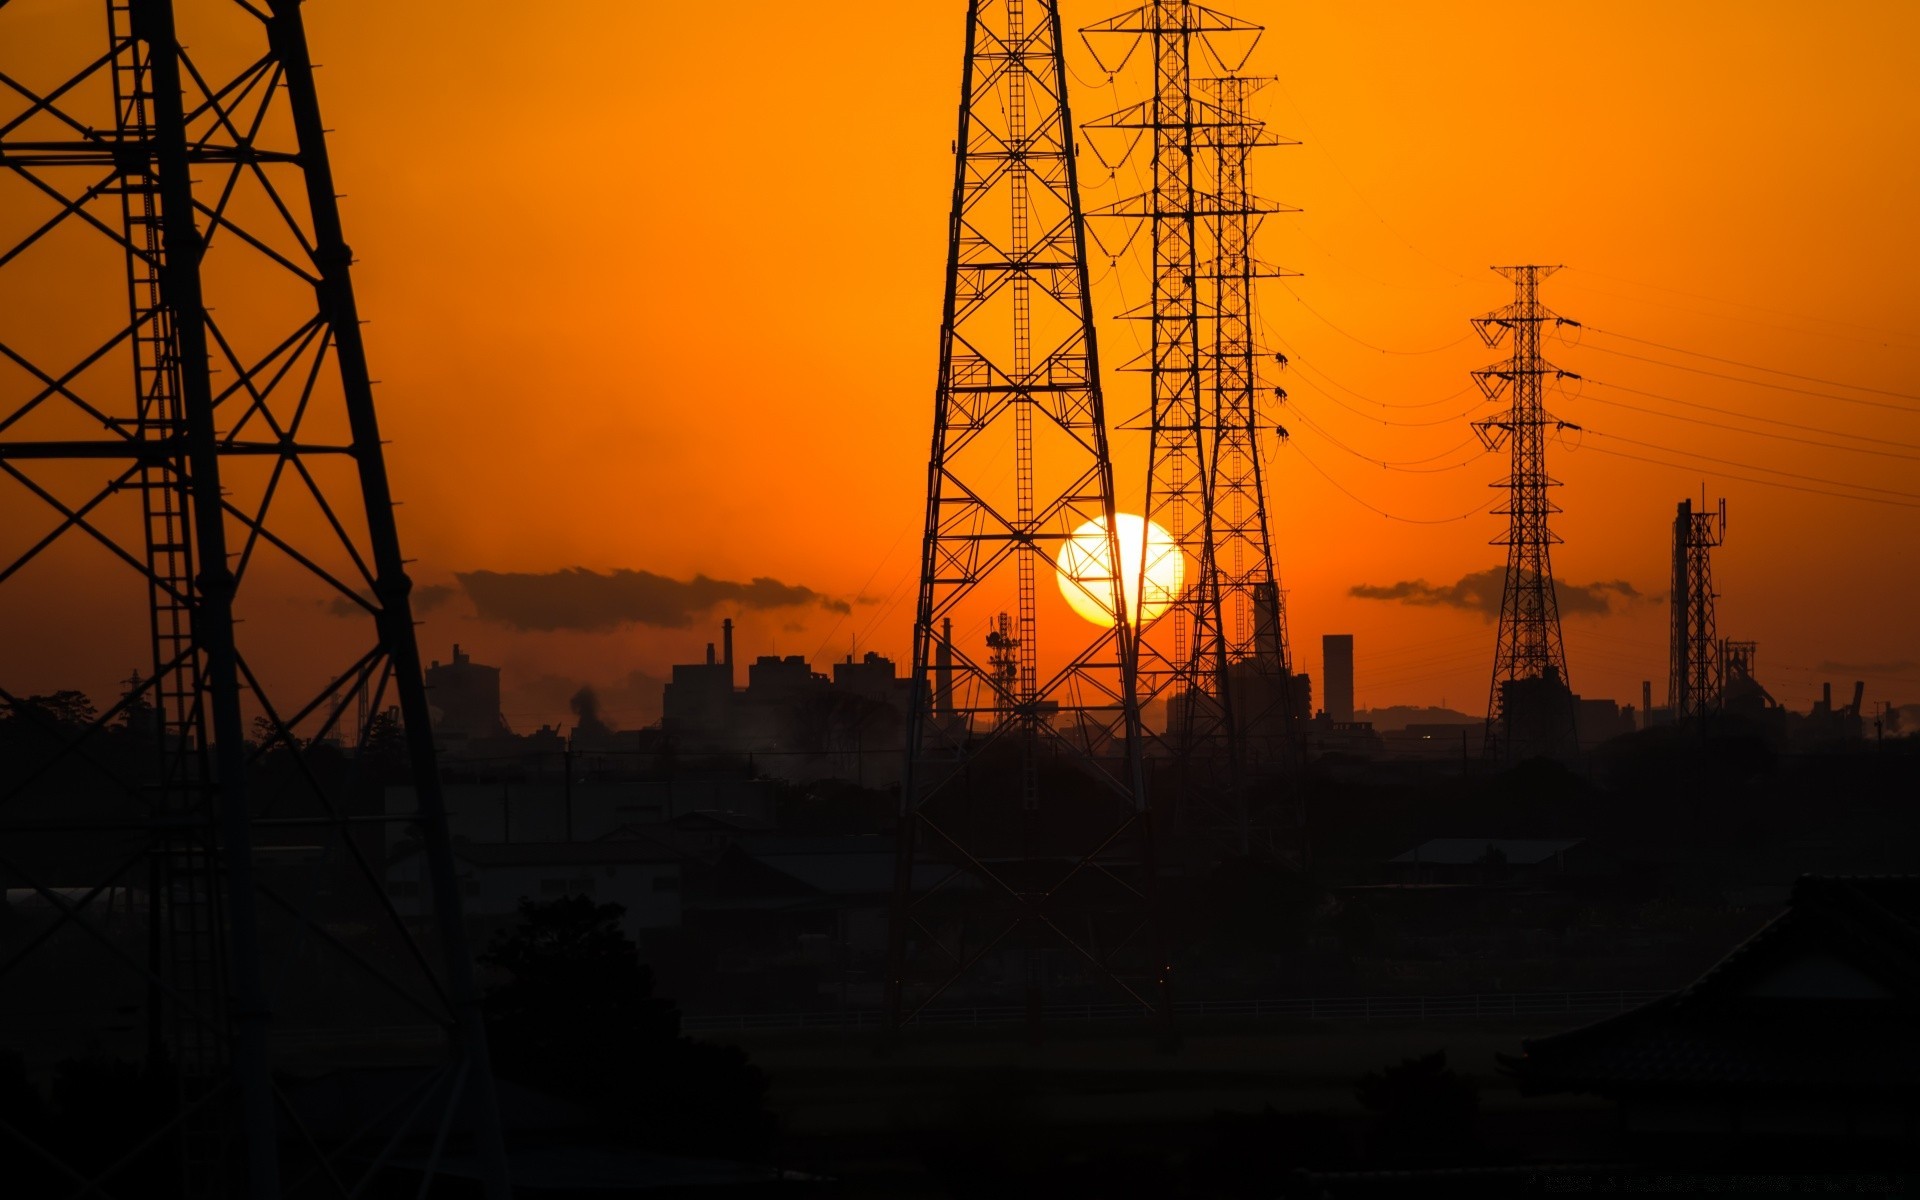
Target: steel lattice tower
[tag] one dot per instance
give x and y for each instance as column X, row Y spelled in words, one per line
column 1025, row 844
column 186, row 399
column 1694, row 683
column 1530, row 709
column 1253, row 609
column 1184, row 653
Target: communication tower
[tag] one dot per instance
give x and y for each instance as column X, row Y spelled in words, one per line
column 193, row 475
column 1695, row 680
column 1026, row 849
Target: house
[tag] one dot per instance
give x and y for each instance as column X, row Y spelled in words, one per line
column 640, row 875
column 1494, row 860
column 1797, row 1051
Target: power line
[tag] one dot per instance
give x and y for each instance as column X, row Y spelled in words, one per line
column 1328, row 322
column 1779, row 437
column 1734, row 362
column 1778, row 387
column 1407, row 464
column 1754, row 466
column 1749, row 479
column 1446, row 420
column 1729, row 412
column 1474, row 511
column 1741, row 303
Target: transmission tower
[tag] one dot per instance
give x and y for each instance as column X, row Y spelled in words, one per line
column 188, row 431
column 1530, row 709
column 1694, row 684
column 1025, row 847
column 1253, row 611
column 1185, row 652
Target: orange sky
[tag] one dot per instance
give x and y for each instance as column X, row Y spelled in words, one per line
column 657, row 288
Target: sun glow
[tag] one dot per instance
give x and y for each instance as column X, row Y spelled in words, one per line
column 1085, row 576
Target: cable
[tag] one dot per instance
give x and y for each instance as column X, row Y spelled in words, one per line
column 1320, row 144
column 1410, row 465
column 1275, row 336
column 1778, row 437
column 1446, row 420
column 1778, row 387
column 1362, row 341
column 1748, row 479
column 1738, row 303
column 1734, row 362
column 1729, row 412
column 1476, row 509
column 1753, row 467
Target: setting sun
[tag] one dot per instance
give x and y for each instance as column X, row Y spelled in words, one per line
column 1084, row 570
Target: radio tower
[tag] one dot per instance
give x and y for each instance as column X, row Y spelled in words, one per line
column 1024, row 840
column 1530, row 709
column 1694, row 682
column 189, row 444
column 1185, row 652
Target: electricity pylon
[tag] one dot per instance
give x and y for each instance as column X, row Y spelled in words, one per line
column 1530, row 708
column 1025, row 845
column 1185, row 653
column 1253, row 609
column 1694, row 682
column 188, row 429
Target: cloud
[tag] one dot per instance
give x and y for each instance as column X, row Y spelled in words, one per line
column 576, row 598
column 1868, row 668
column 425, row 600
column 1480, row 592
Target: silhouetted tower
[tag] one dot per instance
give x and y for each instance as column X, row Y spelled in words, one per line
column 1694, row 681
column 1183, row 651
column 1530, row 710
column 1023, row 834
column 188, row 403
column 1253, row 609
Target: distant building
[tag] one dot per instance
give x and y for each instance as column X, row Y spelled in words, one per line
column 697, row 699
column 1493, row 860
column 642, row 876
column 1336, row 675
column 465, row 699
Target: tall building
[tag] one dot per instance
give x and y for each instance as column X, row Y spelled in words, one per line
column 465, row 699
column 1336, row 674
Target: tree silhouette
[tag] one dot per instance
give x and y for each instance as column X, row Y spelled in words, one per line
column 577, row 1018
column 1425, row 1114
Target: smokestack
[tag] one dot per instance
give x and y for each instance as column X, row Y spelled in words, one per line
column 709, row 653
column 726, row 641
column 1646, row 703
column 943, row 669
column 1826, row 696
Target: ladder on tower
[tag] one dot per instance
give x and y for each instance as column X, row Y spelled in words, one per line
column 187, row 938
